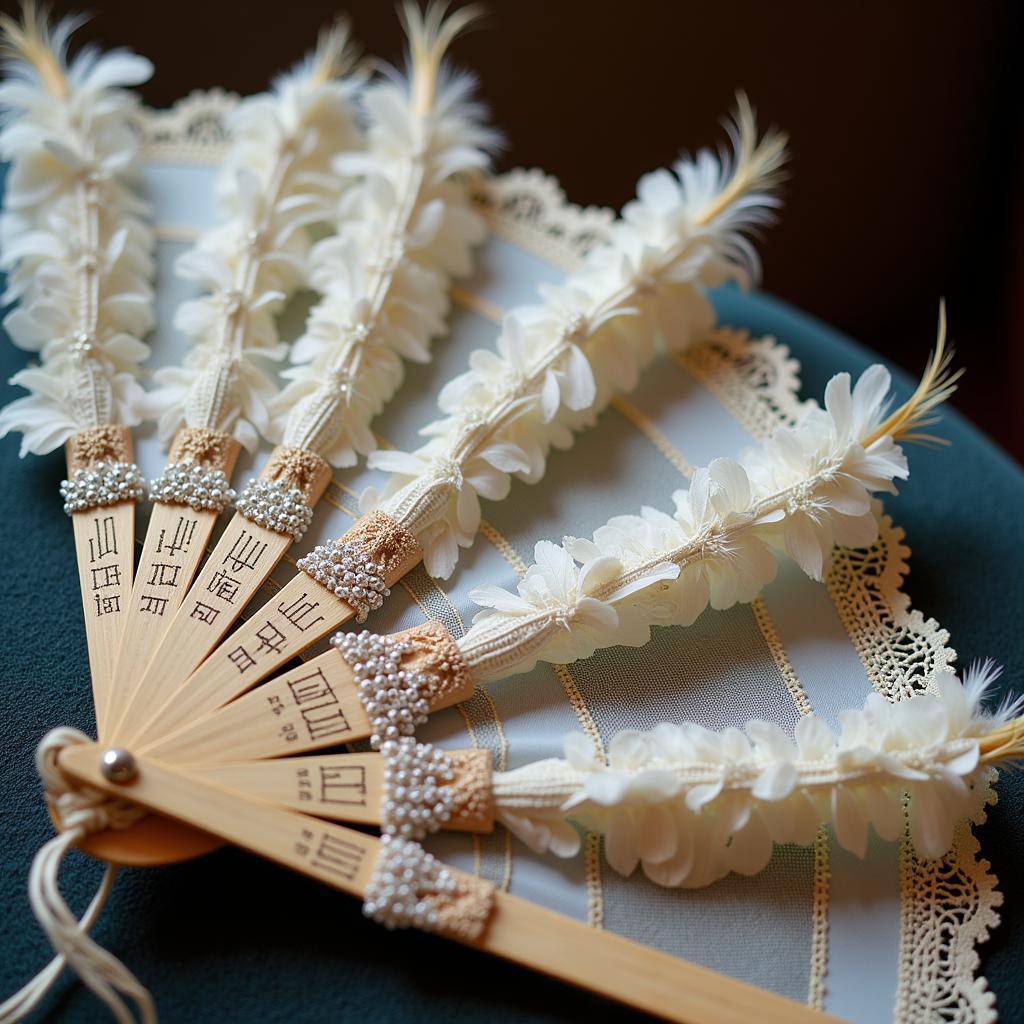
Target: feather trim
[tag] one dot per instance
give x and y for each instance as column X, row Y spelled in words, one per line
column 801, row 491
column 402, row 228
column 689, row 805
column 73, row 234
column 557, row 365
column 272, row 187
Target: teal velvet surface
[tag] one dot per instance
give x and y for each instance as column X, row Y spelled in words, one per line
column 229, row 937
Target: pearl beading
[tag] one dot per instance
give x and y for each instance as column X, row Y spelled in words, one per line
column 418, row 798
column 407, row 886
column 346, row 569
column 270, row 504
column 188, row 483
column 104, row 483
column 396, row 699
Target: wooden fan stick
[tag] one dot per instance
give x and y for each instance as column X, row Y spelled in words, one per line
column 301, row 613
column 104, row 539
column 350, row 787
column 242, row 561
column 179, row 531
column 514, row 929
column 309, row 708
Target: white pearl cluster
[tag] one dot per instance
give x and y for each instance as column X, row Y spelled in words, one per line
column 418, row 798
column 275, row 507
column 396, row 699
column 188, row 483
column 105, row 483
column 348, row 570
column 407, row 885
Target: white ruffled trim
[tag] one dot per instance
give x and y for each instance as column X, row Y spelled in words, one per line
column 75, row 243
column 275, row 182
column 558, row 365
column 402, row 229
column 690, row 805
column 802, row 490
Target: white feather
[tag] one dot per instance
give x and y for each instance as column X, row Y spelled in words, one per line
column 275, row 182
column 73, row 226
column 557, row 365
column 403, row 226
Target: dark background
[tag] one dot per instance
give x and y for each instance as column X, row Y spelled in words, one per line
column 904, row 118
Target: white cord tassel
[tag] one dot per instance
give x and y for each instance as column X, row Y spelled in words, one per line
column 80, row 811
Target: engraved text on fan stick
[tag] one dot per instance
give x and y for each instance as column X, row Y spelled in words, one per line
column 241, row 562
column 353, row 787
column 104, row 549
column 175, row 542
column 512, row 928
column 297, row 616
column 312, row 707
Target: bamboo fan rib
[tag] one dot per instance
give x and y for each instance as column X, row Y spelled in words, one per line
column 78, row 250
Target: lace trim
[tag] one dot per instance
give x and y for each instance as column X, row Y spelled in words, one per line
column 194, row 130
column 899, row 647
column 948, row 906
column 819, row 921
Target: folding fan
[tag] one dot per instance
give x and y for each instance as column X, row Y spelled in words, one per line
column 798, row 647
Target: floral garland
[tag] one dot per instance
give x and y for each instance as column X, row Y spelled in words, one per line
column 689, row 805
column 557, row 365
column 801, row 491
column 271, row 188
column 402, row 228
column 74, row 237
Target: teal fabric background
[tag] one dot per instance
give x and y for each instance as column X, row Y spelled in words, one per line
column 232, row 938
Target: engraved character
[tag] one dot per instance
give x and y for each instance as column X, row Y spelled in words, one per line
column 164, row 575
column 152, row 605
column 107, row 605
column 181, row 539
column 224, row 586
column 298, row 610
column 312, row 687
column 338, row 856
column 241, row 659
column 106, row 576
column 204, row 612
column 105, row 541
column 245, row 553
column 343, row 785
column 271, row 638
column 325, row 720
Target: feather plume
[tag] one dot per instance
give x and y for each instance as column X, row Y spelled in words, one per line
column 402, row 227
column 937, row 385
column 801, row 491
column 689, row 805
column 73, row 235
column 557, row 365
column 271, row 188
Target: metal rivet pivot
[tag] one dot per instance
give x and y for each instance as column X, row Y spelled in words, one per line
column 118, row 765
